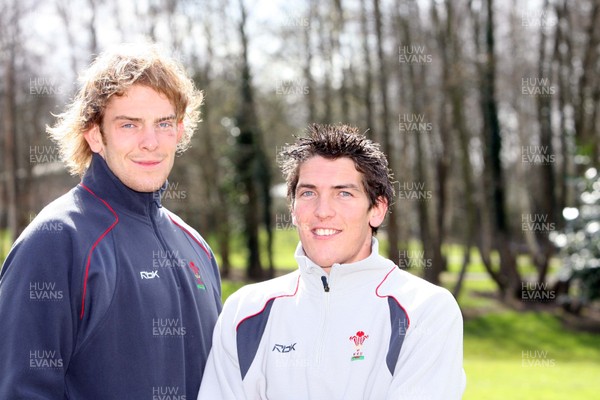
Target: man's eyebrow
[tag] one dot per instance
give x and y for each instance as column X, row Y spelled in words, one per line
column 305, row 186
column 125, row 117
column 136, row 119
column 347, row 186
column 341, row 186
column 167, row 118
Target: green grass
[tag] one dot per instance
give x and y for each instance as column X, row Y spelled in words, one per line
column 5, row 245
column 228, row 287
column 513, row 355
column 284, row 245
column 508, row 379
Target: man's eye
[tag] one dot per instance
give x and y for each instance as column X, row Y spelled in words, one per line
column 345, row 194
column 307, row 193
column 128, row 126
column 165, row 125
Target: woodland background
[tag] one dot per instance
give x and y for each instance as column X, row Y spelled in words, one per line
column 486, row 109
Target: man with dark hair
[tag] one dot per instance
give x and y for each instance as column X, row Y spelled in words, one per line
column 348, row 324
column 107, row 294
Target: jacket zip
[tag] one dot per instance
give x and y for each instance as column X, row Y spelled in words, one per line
column 324, row 324
column 174, row 262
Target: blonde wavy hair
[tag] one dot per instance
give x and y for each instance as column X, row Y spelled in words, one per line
column 111, row 74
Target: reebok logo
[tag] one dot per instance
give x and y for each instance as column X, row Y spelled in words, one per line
column 149, row 274
column 281, row 348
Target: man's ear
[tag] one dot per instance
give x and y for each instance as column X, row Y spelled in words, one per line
column 293, row 214
column 378, row 212
column 180, row 130
column 93, row 137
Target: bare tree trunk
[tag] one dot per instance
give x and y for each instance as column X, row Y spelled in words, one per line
column 336, row 46
column 368, row 91
column 219, row 200
column 416, row 81
column 484, row 243
column 547, row 203
column 9, row 125
column 326, row 57
column 452, row 63
column 92, row 27
column 310, row 83
column 566, row 196
column 493, row 165
column 583, row 125
column 63, row 8
column 250, row 161
column 392, row 226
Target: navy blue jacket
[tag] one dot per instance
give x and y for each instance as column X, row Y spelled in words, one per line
column 106, row 295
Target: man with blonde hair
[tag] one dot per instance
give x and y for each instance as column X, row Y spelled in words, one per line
column 106, row 294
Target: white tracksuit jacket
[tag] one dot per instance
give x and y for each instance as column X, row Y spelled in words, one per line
column 375, row 332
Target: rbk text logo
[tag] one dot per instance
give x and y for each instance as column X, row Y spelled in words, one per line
column 281, row 348
column 149, row 274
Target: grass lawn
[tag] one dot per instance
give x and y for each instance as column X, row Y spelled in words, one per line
column 507, row 379
column 527, row 355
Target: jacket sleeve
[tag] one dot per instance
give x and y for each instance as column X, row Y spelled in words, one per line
column 36, row 315
column 222, row 376
column 430, row 362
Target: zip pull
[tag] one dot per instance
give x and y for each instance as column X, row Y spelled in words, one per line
column 325, row 285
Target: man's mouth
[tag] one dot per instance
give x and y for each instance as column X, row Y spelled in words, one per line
column 147, row 163
column 325, row 231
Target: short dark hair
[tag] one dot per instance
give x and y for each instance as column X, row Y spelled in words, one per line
column 337, row 141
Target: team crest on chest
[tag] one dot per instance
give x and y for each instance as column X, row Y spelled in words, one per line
column 358, row 340
column 199, row 283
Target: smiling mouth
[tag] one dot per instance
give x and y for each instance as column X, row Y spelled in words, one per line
column 325, row 232
column 147, row 163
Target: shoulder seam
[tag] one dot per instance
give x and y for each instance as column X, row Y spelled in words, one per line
column 190, row 235
column 390, row 296
column 98, row 240
column 268, row 301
